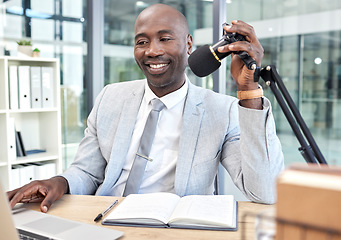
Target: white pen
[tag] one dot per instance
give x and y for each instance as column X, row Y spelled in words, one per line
column 99, row 216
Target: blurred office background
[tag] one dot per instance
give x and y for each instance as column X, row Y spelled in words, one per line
column 94, row 41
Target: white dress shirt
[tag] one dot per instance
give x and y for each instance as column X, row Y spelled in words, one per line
column 159, row 174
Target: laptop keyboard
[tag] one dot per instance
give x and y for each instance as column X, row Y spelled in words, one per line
column 25, row 235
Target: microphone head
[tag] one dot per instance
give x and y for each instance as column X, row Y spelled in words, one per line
column 202, row 62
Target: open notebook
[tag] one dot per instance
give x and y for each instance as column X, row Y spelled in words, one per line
column 209, row 212
column 40, row 225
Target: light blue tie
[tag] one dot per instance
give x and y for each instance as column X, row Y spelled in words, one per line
column 142, row 156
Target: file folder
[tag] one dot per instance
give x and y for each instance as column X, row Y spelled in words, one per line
column 21, row 152
column 15, row 177
column 12, row 150
column 13, row 87
column 24, row 87
column 36, row 87
column 44, row 170
column 47, row 87
column 26, row 174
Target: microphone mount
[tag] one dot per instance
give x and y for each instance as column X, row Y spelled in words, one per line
column 311, row 153
column 228, row 38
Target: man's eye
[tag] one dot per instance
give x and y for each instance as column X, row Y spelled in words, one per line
column 141, row 43
column 165, row 39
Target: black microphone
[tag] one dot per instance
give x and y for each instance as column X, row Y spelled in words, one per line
column 206, row 59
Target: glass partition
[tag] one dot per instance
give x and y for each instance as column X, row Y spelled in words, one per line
column 307, row 56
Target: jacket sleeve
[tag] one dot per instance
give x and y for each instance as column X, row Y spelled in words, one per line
column 252, row 153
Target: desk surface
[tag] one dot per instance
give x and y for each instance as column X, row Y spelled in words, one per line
column 85, row 209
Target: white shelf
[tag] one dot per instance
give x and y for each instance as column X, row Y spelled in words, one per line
column 33, row 110
column 34, row 158
column 30, row 59
column 40, row 127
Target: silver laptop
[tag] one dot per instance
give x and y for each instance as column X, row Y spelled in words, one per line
column 37, row 225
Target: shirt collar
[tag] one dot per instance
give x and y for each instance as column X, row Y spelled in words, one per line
column 171, row 99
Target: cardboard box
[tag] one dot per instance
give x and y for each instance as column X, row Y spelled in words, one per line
column 309, row 204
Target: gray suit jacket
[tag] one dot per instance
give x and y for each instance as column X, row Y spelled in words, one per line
column 215, row 129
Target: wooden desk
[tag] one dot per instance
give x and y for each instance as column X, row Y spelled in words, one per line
column 85, row 209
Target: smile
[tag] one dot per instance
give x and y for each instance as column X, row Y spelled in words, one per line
column 156, row 66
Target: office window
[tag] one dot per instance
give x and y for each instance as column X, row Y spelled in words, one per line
column 42, row 30
column 281, row 52
column 257, row 10
column 321, row 88
column 7, row 31
column 45, row 7
column 73, row 9
column 308, row 60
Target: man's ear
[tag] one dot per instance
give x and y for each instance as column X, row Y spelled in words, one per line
column 189, row 44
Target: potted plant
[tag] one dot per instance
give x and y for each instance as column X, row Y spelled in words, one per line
column 36, row 52
column 24, row 48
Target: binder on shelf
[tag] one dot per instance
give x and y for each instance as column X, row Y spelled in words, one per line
column 24, row 87
column 45, row 170
column 50, row 169
column 13, row 87
column 12, row 151
column 20, row 148
column 47, row 87
column 15, row 177
column 27, row 174
column 19, row 152
column 22, row 174
column 36, row 87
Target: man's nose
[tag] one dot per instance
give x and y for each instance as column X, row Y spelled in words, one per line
column 155, row 49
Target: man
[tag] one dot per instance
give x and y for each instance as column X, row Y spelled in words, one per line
column 197, row 129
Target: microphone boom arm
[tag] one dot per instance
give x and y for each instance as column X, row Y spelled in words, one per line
column 311, row 153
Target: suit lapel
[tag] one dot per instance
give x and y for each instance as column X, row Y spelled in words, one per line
column 126, row 125
column 192, row 118
column 122, row 139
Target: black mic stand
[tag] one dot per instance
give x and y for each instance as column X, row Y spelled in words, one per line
column 312, row 153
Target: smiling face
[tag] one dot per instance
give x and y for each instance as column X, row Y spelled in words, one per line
column 162, row 44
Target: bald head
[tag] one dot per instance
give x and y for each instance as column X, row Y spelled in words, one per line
column 163, row 12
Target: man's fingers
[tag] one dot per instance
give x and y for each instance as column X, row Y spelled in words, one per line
column 45, row 191
column 50, row 198
column 247, row 31
column 242, row 28
column 252, row 45
column 28, row 193
column 10, row 194
column 46, row 204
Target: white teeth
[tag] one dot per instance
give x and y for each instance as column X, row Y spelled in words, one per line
column 157, row 65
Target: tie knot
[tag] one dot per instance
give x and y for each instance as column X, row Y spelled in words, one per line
column 157, row 104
